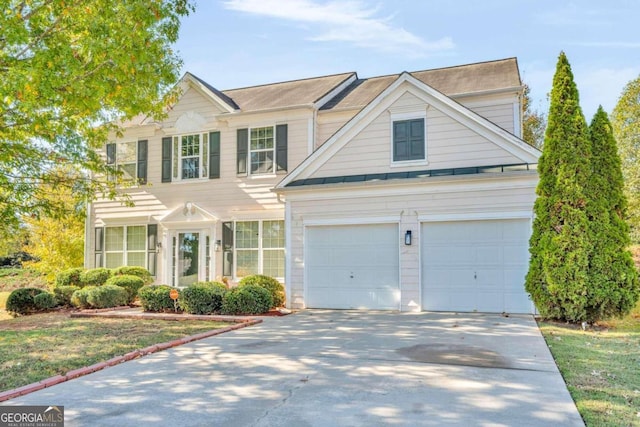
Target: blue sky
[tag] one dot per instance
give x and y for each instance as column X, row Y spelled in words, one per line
column 239, row 43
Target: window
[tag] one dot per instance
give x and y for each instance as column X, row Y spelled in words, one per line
column 262, row 150
column 127, row 245
column 130, row 159
column 259, row 248
column 127, row 159
column 190, row 156
column 409, row 140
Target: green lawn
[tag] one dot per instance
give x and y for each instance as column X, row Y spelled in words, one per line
column 601, row 367
column 39, row 346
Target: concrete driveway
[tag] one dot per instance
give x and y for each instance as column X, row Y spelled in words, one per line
column 334, row 368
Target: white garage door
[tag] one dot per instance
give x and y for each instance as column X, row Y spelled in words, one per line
column 476, row 266
column 354, row 266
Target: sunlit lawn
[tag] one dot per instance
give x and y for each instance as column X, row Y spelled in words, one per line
column 36, row 347
column 601, row 367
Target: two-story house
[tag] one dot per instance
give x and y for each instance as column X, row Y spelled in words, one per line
column 406, row 192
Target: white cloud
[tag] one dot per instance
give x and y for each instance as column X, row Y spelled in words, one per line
column 349, row 21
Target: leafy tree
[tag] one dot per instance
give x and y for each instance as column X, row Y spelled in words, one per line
column 626, row 128
column 70, row 69
column 533, row 121
column 560, row 243
column 613, row 288
column 57, row 243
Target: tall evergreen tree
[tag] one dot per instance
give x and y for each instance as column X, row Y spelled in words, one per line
column 560, row 245
column 626, row 128
column 613, row 280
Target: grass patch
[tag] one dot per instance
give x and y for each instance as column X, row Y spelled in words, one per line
column 14, row 278
column 601, row 367
column 33, row 348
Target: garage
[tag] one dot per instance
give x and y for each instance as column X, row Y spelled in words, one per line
column 352, row 266
column 475, row 266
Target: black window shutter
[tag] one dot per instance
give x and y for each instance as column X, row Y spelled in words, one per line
column 166, row 159
column 111, row 153
column 416, row 139
column 142, row 161
column 281, row 147
column 214, row 155
column 400, row 134
column 243, row 150
column 227, row 248
column 99, row 246
column 152, row 253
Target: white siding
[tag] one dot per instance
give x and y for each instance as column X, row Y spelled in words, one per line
column 449, row 145
column 230, row 197
column 329, row 122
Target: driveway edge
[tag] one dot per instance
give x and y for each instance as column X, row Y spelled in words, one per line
column 75, row 373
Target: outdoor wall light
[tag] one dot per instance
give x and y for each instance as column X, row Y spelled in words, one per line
column 407, row 238
column 217, row 246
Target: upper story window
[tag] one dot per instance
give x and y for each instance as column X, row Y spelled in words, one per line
column 262, row 150
column 409, row 143
column 129, row 158
column 190, row 157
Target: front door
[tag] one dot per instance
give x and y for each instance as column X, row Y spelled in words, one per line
column 187, row 256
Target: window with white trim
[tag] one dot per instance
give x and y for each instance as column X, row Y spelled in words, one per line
column 409, row 140
column 190, row 156
column 125, row 245
column 262, row 150
column 127, row 159
column 259, row 248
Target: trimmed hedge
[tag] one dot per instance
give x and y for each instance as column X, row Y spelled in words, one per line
column 45, row 301
column 21, row 300
column 203, row 297
column 70, row 277
column 247, row 299
column 95, row 276
column 128, row 282
column 140, row 272
column 107, row 296
column 63, row 294
column 156, row 298
column 80, row 297
column 274, row 287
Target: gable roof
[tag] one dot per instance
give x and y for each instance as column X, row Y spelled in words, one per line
column 347, row 91
column 287, row 94
column 451, row 81
column 479, row 124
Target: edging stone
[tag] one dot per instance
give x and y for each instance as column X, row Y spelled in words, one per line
column 75, row 373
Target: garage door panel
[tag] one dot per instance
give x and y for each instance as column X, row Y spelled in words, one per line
column 475, row 266
column 353, row 266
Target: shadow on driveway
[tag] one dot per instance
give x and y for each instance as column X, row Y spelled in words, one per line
column 334, row 368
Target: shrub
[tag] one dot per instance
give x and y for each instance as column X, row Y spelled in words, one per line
column 95, row 277
column 203, row 297
column 107, row 296
column 247, row 299
column 274, row 287
column 69, row 277
column 140, row 272
column 129, row 283
column 21, row 300
column 80, row 297
column 63, row 294
column 156, row 297
column 45, row 301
